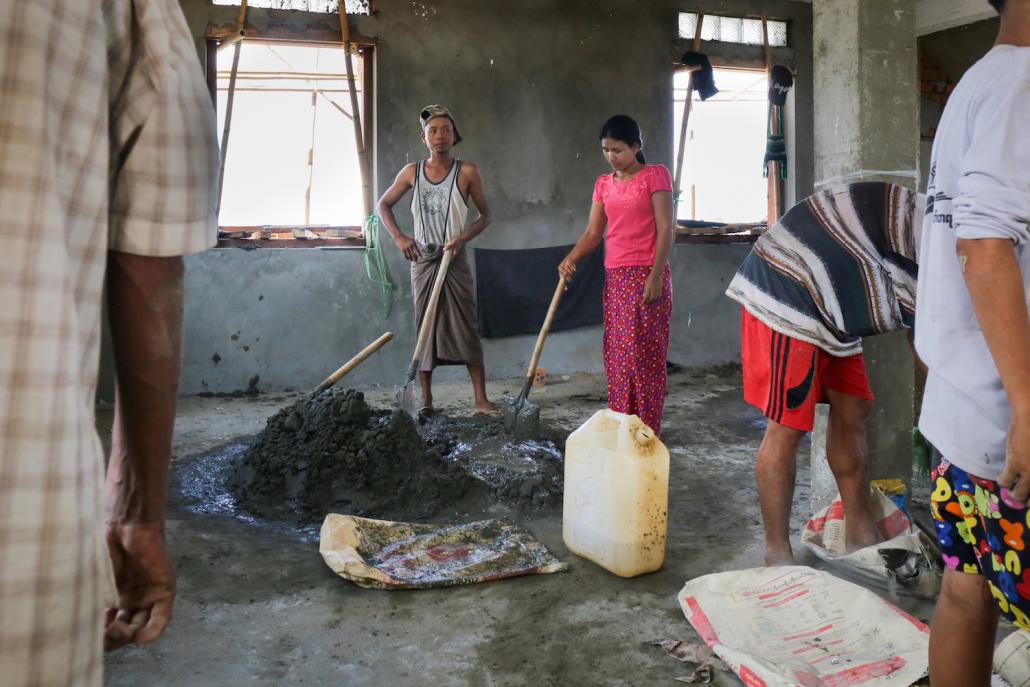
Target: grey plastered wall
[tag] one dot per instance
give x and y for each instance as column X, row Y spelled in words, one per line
column 954, row 51
column 530, row 83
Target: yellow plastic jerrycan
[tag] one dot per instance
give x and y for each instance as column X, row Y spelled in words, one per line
column 616, row 494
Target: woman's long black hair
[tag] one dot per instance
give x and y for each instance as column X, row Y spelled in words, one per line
column 624, row 128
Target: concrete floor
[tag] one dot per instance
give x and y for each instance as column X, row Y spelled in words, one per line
column 257, row 605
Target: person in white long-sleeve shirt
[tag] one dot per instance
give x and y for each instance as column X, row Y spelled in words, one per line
column 973, row 332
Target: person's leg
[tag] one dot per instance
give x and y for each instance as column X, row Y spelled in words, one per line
column 962, row 632
column 775, row 471
column 847, row 453
column 652, row 352
column 425, row 380
column 478, row 375
column 618, row 328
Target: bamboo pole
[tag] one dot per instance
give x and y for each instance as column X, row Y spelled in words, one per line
column 368, row 106
column 686, row 111
column 241, row 31
column 363, row 166
column 311, row 148
column 224, row 148
column 775, row 197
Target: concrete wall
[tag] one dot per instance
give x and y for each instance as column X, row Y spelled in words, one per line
column 953, row 51
column 530, row 83
column 938, row 15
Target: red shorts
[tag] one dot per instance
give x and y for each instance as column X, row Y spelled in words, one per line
column 786, row 377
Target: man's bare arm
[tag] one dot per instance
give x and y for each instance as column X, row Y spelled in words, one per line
column 996, row 286
column 402, row 184
column 145, row 297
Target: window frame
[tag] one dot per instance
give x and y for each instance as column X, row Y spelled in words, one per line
column 233, row 236
column 786, row 22
column 729, row 56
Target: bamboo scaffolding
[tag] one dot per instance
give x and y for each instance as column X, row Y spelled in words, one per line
column 311, row 148
column 224, row 147
column 363, row 162
column 686, row 112
column 775, row 178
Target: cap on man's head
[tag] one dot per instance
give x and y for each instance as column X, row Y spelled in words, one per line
column 430, row 111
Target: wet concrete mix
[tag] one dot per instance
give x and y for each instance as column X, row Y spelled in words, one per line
column 334, row 453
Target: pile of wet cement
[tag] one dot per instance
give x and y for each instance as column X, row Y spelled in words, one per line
column 333, row 453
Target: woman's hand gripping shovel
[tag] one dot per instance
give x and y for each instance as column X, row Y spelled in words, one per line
column 522, row 416
column 406, row 394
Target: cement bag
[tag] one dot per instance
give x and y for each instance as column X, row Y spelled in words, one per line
column 380, row 554
column 790, row 626
column 903, row 562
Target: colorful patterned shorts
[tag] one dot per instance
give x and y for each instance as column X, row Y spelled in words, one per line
column 983, row 531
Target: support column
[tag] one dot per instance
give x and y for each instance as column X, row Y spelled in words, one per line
column 867, row 118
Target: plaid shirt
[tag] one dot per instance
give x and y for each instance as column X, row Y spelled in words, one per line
column 107, row 142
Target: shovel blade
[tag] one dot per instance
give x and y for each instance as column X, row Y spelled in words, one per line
column 406, row 399
column 522, row 420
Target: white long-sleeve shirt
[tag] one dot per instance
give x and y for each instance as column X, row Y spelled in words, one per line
column 979, row 188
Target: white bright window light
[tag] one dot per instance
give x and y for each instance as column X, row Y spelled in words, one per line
column 733, row 29
column 318, row 6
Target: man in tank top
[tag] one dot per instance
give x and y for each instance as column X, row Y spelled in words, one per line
column 443, row 186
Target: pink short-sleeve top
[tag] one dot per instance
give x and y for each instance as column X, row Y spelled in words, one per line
column 632, row 231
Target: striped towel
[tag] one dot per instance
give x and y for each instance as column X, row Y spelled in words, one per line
column 840, row 265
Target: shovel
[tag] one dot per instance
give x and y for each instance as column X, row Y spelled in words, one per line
column 522, row 416
column 352, row 363
column 406, row 394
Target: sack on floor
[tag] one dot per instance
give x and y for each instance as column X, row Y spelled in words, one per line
column 789, row 626
column 904, row 562
column 380, row 554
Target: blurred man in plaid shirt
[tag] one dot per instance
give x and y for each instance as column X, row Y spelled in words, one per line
column 107, row 162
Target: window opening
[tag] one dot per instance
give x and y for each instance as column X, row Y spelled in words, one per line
column 742, row 30
column 317, row 6
column 291, row 170
column 722, row 171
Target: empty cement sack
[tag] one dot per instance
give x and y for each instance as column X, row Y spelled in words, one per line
column 380, row 554
column 906, row 561
column 790, row 626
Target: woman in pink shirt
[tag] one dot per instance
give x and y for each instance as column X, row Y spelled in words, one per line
column 634, row 203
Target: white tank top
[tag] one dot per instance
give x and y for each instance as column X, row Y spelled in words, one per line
column 438, row 209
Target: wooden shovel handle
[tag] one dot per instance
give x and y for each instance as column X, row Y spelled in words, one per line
column 434, row 296
column 546, row 328
column 354, row 362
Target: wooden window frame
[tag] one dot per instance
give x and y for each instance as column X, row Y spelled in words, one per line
column 264, row 236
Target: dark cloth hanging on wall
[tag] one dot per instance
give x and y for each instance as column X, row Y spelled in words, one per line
column 704, row 77
column 514, row 289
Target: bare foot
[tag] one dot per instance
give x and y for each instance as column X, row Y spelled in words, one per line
column 775, row 557
column 861, row 534
column 487, row 408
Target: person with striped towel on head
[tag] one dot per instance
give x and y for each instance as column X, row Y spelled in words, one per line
column 838, row 266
